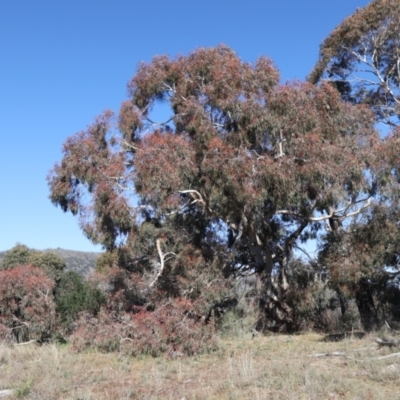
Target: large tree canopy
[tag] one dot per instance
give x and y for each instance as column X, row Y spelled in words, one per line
column 362, row 57
column 243, row 171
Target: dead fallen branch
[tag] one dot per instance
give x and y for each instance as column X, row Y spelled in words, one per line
column 332, row 354
column 25, row 343
column 387, row 342
column 339, row 353
column 391, row 355
column 6, row 392
column 343, row 354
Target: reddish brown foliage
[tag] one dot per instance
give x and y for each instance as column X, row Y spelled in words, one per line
column 172, row 328
column 26, row 303
column 244, row 171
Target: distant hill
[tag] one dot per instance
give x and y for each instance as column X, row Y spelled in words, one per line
column 79, row 261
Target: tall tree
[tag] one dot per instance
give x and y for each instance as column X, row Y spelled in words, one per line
column 362, row 58
column 242, row 172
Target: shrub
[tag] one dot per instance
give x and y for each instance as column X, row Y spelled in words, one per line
column 74, row 295
column 26, row 303
column 23, row 255
column 18, row 255
column 52, row 264
column 106, row 261
column 172, row 328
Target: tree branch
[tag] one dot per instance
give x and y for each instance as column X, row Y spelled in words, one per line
column 158, row 123
column 196, row 196
column 162, row 259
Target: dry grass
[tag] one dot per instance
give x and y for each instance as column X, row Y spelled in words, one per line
column 272, row 367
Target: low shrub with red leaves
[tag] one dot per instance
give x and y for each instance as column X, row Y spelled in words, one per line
column 27, row 307
column 172, row 328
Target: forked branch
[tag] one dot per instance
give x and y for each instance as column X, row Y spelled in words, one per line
column 162, row 262
column 333, row 214
column 196, row 196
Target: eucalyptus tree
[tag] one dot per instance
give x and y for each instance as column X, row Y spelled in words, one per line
column 243, row 171
column 361, row 58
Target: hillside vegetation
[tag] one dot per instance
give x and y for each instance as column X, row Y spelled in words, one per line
column 78, row 261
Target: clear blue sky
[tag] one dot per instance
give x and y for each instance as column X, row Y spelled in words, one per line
column 64, row 61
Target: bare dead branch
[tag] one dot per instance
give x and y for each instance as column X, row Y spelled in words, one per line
column 386, row 323
column 23, row 323
column 333, row 353
column 25, row 343
column 387, row 342
column 125, row 143
column 6, row 392
column 158, row 123
column 303, row 251
column 391, row 355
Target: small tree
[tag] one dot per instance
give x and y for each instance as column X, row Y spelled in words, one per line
column 23, row 255
column 74, row 295
column 27, row 307
column 67, row 291
column 18, row 255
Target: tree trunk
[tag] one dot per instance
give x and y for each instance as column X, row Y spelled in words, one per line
column 342, row 302
column 366, row 306
column 275, row 313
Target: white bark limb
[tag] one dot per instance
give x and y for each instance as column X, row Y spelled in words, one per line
column 196, row 196
column 332, row 214
column 25, row 343
column 162, row 262
column 388, row 326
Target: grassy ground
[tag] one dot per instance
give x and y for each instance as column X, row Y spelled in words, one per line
column 271, row 367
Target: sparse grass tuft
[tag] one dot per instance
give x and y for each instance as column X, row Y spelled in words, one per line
column 23, row 389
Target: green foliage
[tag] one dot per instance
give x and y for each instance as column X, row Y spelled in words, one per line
column 74, row 295
column 24, row 389
column 106, row 261
column 68, row 294
column 20, row 254
column 238, row 321
column 50, row 262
